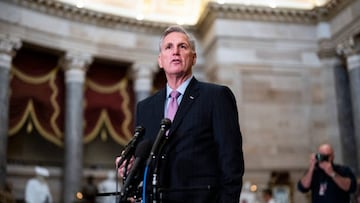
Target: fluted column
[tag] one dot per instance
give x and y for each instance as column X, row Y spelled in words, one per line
column 334, row 58
column 143, row 74
column 75, row 66
column 344, row 113
column 351, row 49
column 8, row 46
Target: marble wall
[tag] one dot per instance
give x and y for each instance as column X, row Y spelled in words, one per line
column 285, row 92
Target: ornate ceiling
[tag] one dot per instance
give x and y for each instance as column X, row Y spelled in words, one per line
column 185, row 12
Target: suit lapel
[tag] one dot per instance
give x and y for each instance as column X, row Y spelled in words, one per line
column 190, row 95
column 159, row 109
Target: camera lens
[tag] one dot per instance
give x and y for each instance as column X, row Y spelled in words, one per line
column 321, row 157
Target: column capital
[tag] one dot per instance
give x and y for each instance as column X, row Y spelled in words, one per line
column 143, row 74
column 76, row 60
column 8, row 47
column 9, row 44
column 349, row 47
column 143, row 69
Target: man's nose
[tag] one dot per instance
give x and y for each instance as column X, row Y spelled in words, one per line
column 176, row 51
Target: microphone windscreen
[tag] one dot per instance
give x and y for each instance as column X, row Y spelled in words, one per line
column 140, row 130
column 165, row 123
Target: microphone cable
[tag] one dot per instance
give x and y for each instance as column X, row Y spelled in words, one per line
column 144, row 184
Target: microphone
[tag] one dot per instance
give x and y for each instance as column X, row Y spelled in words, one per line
column 141, row 153
column 164, row 126
column 129, row 148
column 156, row 149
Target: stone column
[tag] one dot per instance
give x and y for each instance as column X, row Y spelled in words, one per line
column 344, row 113
column 8, row 46
column 351, row 49
column 143, row 75
column 75, row 66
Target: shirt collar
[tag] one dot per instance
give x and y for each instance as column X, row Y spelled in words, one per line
column 180, row 89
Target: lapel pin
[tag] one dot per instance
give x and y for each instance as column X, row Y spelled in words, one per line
column 191, row 97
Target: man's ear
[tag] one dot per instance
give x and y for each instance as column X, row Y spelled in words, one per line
column 159, row 62
column 194, row 59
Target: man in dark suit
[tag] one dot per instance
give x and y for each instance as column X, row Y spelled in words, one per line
column 202, row 160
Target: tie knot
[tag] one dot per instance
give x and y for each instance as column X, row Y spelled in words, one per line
column 174, row 94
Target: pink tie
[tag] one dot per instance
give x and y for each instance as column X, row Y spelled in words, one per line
column 173, row 105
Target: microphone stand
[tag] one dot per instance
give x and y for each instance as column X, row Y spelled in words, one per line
column 155, row 171
column 156, row 150
column 126, row 154
column 131, row 183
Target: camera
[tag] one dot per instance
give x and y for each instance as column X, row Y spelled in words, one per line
column 321, row 157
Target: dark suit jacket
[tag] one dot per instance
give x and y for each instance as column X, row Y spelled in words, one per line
column 203, row 157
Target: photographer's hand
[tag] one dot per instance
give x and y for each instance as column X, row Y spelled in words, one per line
column 312, row 161
column 326, row 166
column 307, row 178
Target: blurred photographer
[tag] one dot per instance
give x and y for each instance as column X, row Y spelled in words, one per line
column 328, row 182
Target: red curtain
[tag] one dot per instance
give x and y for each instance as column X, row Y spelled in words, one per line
column 109, row 102
column 37, row 96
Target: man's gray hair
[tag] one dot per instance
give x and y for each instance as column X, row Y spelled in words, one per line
column 177, row 28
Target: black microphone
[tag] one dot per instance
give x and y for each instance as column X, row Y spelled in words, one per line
column 130, row 147
column 164, row 126
column 155, row 150
column 141, row 153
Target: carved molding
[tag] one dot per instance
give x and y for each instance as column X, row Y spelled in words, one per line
column 233, row 11
column 84, row 15
column 238, row 11
column 332, row 8
column 344, row 44
column 327, row 49
column 212, row 12
column 257, row 13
